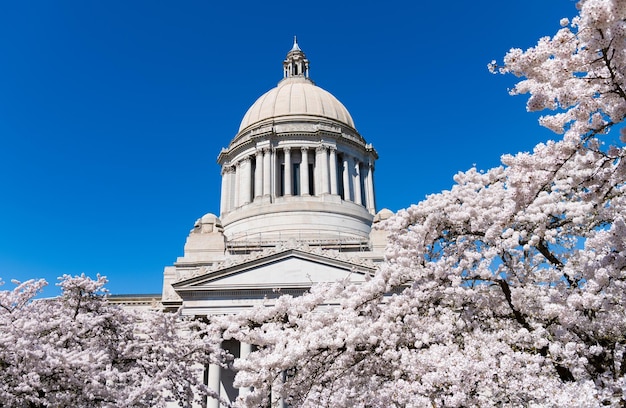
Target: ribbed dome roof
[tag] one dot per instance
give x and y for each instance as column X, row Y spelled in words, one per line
column 296, row 96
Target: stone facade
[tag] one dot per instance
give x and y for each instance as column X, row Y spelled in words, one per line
column 297, row 207
column 298, row 186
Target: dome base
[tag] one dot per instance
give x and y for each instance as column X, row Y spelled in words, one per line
column 324, row 220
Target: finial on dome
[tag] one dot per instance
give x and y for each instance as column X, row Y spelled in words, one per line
column 296, row 64
column 295, row 44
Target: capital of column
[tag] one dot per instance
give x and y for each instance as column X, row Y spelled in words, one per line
column 227, row 169
column 321, row 148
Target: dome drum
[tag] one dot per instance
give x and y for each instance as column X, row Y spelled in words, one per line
column 323, row 222
column 301, row 167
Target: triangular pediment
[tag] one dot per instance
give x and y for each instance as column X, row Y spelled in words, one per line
column 283, row 269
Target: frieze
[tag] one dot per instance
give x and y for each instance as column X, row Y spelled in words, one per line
column 296, row 127
column 170, row 294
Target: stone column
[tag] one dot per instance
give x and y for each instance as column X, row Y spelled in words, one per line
column 371, row 200
column 214, row 384
column 333, row 170
column 245, row 181
column 230, row 204
column 304, row 172
column 346, row 178
column 244, row 350
column 258, row 174
column 237, row 196
column 267, row 172
column 318, row 170
column 323, row 163
column 287, row 181
column 275, row 174
column 357, row 182
column 224, row 191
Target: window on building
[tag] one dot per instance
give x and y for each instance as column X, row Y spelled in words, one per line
column 253, row 181
column 340, row 176
column 295, row 179
column 362, row 181
column 281, row 191
column 311, row 179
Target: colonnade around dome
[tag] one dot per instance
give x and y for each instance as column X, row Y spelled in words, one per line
column 274, row 172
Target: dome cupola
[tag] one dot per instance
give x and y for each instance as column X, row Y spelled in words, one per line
column 296, row 64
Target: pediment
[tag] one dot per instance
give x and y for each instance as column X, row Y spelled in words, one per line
column 286, row 269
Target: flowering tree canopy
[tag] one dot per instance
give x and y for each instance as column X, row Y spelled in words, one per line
column 509, row 289
column 77, row 350
column 579, row 73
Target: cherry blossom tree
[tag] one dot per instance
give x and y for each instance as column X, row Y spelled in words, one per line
column 508, row 289
column 77, row 350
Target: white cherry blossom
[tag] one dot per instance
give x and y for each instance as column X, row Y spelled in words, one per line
column 507, row 290
column 77, row 350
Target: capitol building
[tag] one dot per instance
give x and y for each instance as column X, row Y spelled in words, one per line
column 297, row 207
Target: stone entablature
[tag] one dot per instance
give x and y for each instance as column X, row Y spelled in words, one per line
column 137, row 302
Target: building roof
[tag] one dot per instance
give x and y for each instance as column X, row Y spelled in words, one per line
column 296, row 95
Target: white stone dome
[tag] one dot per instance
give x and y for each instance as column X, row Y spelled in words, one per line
column 296, row 96
column 297, row 168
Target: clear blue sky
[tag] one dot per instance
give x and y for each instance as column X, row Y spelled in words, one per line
column 112, row 113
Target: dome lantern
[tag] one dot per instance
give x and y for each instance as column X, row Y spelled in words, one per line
column 296, row 64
